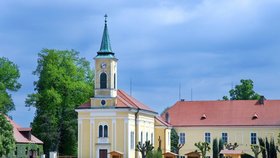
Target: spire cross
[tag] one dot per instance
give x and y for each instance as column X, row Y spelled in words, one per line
column 105, row 16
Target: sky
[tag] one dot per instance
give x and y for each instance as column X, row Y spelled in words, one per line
column 205, row 46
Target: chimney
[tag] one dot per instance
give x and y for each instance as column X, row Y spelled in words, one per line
column 261, row 100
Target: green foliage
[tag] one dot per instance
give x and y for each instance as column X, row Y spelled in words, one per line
column 221, row 147
column 244, row 91
column 22, row 150
column 257, row 149
column 215, row 148
column 262, row 145
column 278, row 143
column 9, row 75
column 230, row 146
column 267, row 147
column 278, row 139
column 7, row 141
column 272, row 147
column 154, row 154
column 65, row 81
column 145, row 149
column 174, row 141
column 203, row 147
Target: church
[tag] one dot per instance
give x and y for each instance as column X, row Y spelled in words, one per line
column 112, row 122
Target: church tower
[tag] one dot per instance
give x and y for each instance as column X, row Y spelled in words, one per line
column 105, row 73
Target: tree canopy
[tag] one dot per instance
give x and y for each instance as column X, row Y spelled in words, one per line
column 244, row 91
column 203, row 147
column 9, row 75
column 65, row 81
column 7, row 141
column 174, row 141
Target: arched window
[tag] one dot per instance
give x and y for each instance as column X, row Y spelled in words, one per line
column 106, row 131
column 100, row 131
column 103, row 80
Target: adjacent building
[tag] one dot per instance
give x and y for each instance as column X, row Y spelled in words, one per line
column 112, row 122
column 27, row 145
column 240, row 121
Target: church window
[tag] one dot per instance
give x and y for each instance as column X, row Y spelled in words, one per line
column 103, row 102
column 103, row 80
column 152, row 138
column 106, row 131
column 100, row 131
column 147, row 135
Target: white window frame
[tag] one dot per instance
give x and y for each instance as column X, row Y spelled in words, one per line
column 103, row 131
column 132, row 142
column 253, row 139
column 207, row 137
column 182, row 138
column 225, row 137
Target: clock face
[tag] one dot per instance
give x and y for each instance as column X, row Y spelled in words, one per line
column 103, row 65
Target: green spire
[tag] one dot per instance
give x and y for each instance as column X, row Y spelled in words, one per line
column 105, row 48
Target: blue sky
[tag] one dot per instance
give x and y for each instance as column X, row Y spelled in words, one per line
column 204, row 45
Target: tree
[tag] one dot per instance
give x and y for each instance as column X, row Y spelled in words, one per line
column 221, row 147
column 262, row 145
column 230, row 146
column 278, row 143
column 244, row 91
column 257, row 149
column 272, row 147
column 65, row 81
column 267, row 147
column 9, row 75
column 174, row 141
column 7, row 141
column 145, row 148
column 175, row 145
column 215, row 148
column 203, row 147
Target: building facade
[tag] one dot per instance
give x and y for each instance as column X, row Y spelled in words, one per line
column 234, row 121
column 27, row 145
column 113, row 122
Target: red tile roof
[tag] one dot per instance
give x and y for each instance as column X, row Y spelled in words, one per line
column 124, row 100
column 19, row 137
column 160, row 119
column 225, row 113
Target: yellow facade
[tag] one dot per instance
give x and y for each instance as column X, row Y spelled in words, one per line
column 105, row 128
column 120, row 126
column 240, row 135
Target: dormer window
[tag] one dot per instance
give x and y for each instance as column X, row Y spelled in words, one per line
column 103, row 80
column 255, row 116
column 167, row 119
column 203, row 117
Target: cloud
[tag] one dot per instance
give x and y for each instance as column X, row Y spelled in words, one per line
column 204, row 45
